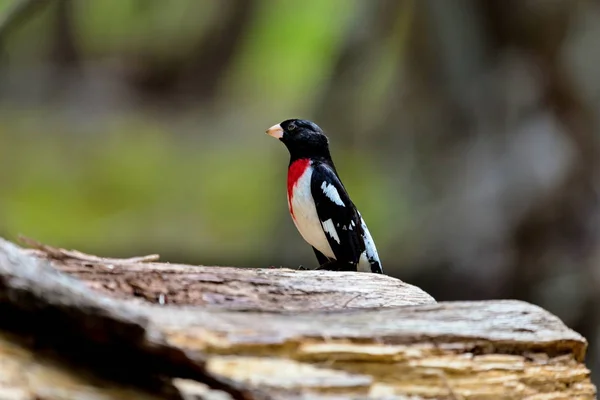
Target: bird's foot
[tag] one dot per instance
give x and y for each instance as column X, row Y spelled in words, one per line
column 335, row 265
column 329, row 266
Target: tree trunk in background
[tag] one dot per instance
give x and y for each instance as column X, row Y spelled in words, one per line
column 341, row 105
column 64, row 53
column 203, row 71
column 197, row 75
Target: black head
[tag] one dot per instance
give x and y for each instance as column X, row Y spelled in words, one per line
column 303, row 139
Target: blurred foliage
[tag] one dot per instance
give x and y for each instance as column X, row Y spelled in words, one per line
column 137, row 184
column 134, row 188
column 465, row 132
column 133, row 185
column 280, row 64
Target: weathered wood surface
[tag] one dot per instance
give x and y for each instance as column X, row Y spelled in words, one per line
column 119, row 341
column 273, row 289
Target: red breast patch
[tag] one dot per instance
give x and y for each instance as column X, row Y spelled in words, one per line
column 295, row 171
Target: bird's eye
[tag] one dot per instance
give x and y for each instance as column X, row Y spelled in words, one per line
column 291, row 127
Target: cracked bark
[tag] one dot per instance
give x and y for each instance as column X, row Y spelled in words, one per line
column 80, row 326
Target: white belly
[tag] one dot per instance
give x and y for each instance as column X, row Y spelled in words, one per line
column 305, row 215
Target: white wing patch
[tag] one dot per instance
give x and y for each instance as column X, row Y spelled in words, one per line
column 370, row 252
column 330, row 229
column 332, row 193
column 363, row 263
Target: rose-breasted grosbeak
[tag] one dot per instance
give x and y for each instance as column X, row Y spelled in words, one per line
column 319, row 204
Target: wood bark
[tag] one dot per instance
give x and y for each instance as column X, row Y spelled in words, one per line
column 82, row 327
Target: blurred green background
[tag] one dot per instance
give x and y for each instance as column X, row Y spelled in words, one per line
column 465, row 132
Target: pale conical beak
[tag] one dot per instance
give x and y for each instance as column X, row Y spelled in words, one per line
column 276, row 131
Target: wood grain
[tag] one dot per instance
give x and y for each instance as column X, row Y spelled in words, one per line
column 269, row 289
column 269, row 333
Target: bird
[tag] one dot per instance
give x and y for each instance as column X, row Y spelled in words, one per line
column 319, row 204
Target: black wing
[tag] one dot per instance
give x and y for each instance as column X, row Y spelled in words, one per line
column 338, row 216
column 321, row 258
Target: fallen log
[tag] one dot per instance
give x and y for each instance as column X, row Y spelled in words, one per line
column 79, row 326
